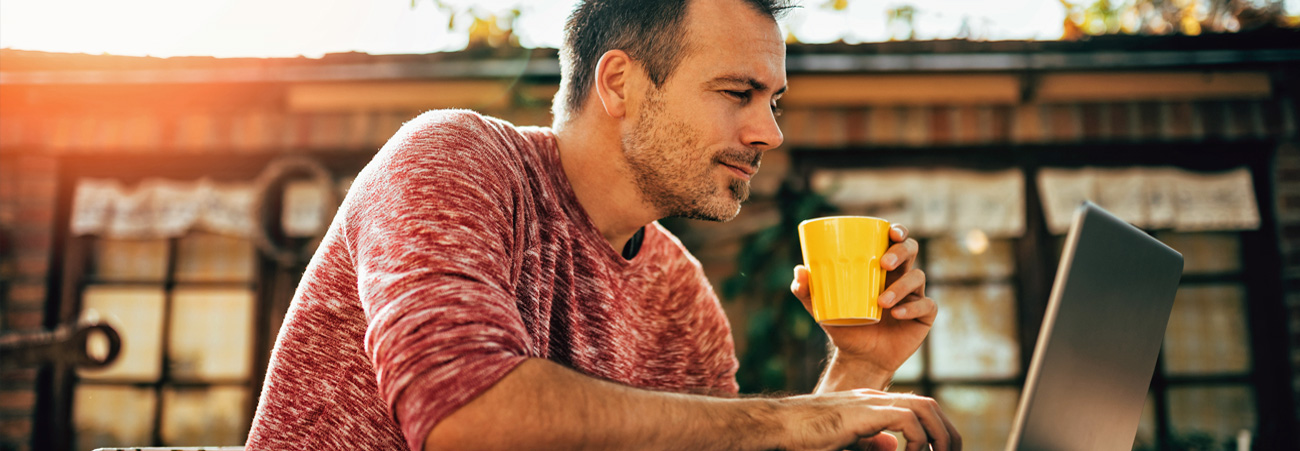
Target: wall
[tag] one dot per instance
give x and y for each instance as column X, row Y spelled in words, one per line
column 27, row 191
column 1287, row 184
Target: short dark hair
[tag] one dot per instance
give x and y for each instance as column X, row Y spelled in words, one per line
column 651, row 32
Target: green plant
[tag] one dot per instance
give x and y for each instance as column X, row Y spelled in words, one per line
column 785, row 345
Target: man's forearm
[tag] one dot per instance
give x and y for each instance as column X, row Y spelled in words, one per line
column 542, row 405
column 847, row 374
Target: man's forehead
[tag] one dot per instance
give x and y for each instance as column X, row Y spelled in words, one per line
column 737, row 44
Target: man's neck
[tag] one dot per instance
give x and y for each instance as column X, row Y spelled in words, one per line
column 592, row 157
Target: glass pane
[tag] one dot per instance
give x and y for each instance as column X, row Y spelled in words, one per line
column 1207, row 331
column 951, row 258
column 136, row 312
column 1206, row 253
column 1146, row 434
column 911, row 369
column 213, row 416
column 975, row 333
column 109, row 416
column 983, row 415
column 212, row 333
column 1201, row 416
column 129, row 260
column 202, row 257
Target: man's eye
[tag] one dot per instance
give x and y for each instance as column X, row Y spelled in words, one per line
column 776, row 110
column 739, row 95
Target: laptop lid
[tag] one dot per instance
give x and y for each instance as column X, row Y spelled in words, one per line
column 1100, row 337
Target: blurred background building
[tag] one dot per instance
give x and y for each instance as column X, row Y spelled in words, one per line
column 178, row 199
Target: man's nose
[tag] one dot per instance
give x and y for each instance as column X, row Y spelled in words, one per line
column 761, row 130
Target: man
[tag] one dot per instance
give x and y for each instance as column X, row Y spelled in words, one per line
column 486, row 286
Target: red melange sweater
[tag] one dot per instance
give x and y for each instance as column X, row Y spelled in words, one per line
column 459, row 252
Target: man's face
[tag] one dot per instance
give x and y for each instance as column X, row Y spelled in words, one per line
column 698, row 139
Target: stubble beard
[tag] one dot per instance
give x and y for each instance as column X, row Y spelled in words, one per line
column 658, row 151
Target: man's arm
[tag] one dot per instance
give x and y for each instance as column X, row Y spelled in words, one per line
column 543, row 405
column 848, row 374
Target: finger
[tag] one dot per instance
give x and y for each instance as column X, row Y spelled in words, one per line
column 935, row 426
column 879, row 442
column 799, row 286
column 904, row 420
column 916, row 307
column 913, row 282
column 897, row 233
column 953, row 436
column 927, row 414
column 896, row 255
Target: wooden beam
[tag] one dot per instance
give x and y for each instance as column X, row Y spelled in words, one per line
column 856, row 90
column 376, row 96
column 1124, row 86
column 538, row 92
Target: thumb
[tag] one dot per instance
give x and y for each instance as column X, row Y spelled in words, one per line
column 799, row 286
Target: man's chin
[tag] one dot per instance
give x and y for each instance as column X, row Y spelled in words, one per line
column 718, row 213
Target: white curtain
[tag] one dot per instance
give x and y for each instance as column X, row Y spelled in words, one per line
column 1153, row 197
column 931, row 202
column 158, row 208
column 952, row 202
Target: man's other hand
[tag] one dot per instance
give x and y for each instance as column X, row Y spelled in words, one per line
column 858, row 419
column 907, row 313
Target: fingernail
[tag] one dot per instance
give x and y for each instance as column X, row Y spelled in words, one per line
column 900, row 311
column 888, row 261
column 886, row 299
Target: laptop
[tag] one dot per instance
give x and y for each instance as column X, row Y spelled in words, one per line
column 1100, row 338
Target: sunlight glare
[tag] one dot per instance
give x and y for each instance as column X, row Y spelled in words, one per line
column 285, row 28
column 225, row 28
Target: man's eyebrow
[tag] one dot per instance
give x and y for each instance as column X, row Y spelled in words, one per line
column 750, row 81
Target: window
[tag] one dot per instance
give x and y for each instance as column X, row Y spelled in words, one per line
column 185, row 309
column 971, row 362
column 1204, row 375
column 968, row 223
column 198, row 311
column 1210, row 388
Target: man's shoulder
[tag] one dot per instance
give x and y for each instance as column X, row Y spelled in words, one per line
column 465, row 124
column 463, row 136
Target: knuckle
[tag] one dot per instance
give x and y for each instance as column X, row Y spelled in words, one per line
column 912, row 417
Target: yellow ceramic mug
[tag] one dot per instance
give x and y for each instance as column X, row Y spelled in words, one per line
column 843, row 258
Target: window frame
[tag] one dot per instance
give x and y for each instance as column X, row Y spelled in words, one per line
column 1261, row 272
column 273, row 284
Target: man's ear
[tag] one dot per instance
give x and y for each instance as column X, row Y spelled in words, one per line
column 613, row 72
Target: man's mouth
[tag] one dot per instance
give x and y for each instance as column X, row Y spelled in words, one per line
column 745, row 172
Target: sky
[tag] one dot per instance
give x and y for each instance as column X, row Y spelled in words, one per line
column 312, row 28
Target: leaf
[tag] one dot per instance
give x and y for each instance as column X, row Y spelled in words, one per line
column 774, row 372
column 761, row 324
column 779, row 329
column 802, row 326
column 734, row 286
column 837, row 5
